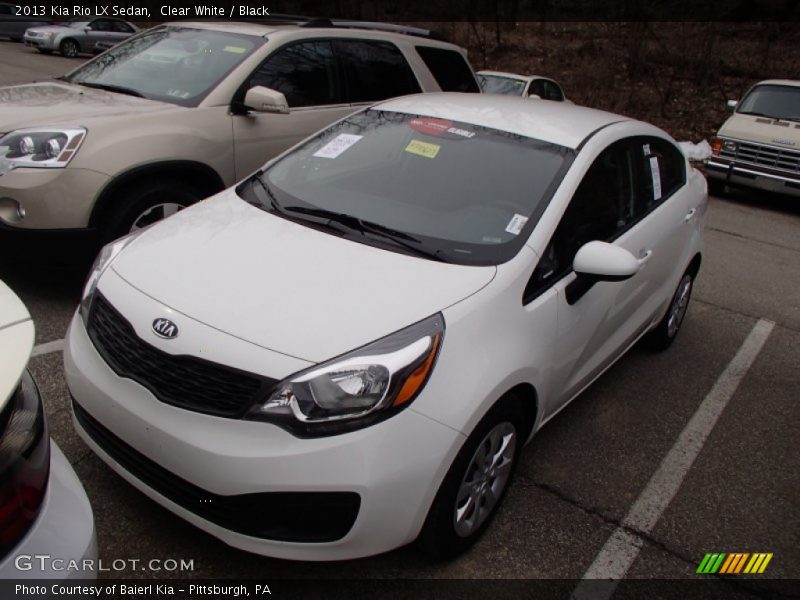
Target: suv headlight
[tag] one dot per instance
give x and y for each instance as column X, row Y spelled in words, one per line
column 40, row 147
column 104, row 259
column 359, row 388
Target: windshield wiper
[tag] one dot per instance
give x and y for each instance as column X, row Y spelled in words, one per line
column 760, row 114
column 112, row 88
column 400, row 238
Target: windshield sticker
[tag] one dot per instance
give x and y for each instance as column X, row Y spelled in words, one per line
column 516, row 224
column 423, row 148
column 646, row 149
column 656, row 177
column 430, row 126
column 492, row 239
column 178, row 93
column 439, row 128
column 337, row 145
column 234, row 49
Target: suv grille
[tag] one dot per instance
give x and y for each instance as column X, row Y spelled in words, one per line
column 766, row 156
column 183, row 381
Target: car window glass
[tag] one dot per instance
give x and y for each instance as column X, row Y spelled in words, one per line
column 552, row 91
column 374, row 70
column 602, row 207
column 305, row 73
column 101, row 25
column 537, row 88
column 121, row 27
column 661, row 169
column 449, row 69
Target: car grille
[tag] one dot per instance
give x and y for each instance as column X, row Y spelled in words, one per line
column 185, row 381
column 285, row 516
column 765, row 156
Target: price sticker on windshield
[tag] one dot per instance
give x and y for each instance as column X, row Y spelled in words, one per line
column 516, row 224
column 423, row 148
column 337, row 145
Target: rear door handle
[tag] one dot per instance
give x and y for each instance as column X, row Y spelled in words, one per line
column 690, row 215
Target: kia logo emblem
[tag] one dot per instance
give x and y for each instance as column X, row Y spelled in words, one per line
column 164, row 328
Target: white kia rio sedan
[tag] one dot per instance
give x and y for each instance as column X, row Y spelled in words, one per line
column 347, row 351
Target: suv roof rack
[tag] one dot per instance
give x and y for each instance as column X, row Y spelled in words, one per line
column 281, row 19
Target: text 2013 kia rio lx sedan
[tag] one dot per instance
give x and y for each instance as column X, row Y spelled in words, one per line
column 348, row 350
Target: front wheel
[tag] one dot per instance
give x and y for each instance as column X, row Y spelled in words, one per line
column 476, row 483
column 69, row 48
column 146, row 204
column 667, row 329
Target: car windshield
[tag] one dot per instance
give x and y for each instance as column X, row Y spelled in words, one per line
column 774, row 101
column 172, row 64
column 495, row 84
column 454, row 191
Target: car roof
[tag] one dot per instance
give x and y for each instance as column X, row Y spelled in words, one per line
column 510, row 75
column 789, row 82
column 555, row 122
column 266, row 29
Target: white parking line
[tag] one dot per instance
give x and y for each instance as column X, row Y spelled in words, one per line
column 47, row 348
column 622, row 548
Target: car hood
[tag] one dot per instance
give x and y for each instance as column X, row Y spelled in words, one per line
column 56, row 103
column 284, row 286
column 761, row 130
column 16, row 341
column 59, row 28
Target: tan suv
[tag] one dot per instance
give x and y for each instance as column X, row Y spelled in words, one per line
column 183, row 110
column 759, row 144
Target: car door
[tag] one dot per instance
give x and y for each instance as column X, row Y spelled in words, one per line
column 99, row 30
column 608, row 316
column 120, row 30
column 308, row 75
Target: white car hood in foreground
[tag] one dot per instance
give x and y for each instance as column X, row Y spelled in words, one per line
column 284, row 286
column 16, row 341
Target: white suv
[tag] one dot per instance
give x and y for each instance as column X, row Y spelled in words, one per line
column 183, row 110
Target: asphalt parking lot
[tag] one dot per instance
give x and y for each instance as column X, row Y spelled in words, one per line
column 583, row 478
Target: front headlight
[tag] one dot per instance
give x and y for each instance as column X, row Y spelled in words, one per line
column 40, row 147
column 359, row 388
column 104, row 259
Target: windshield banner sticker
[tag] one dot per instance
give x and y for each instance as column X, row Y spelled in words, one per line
column 516, row 224
column 656, row 177
column 439, row 128
column 337, row 145
column 423, row 148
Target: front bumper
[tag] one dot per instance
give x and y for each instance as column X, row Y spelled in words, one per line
column 45, row 43
column 49, row 198
column 62, row 540
column 753, row 176
column 394, row 467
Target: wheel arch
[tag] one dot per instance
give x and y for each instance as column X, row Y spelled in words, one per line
column 694, row 265
column 529, row 401
column 196, row 175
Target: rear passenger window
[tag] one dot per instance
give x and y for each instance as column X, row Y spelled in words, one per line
column 374, row 70
column 305, row 73
column 662, row 170
column 449, row 68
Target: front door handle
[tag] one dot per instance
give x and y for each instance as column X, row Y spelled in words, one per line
column 644, row 256
column 690, row 215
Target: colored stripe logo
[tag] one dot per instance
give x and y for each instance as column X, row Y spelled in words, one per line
column 733, row 563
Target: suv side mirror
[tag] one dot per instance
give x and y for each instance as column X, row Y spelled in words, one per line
column 264, row 99
column 599, row 261
column 732, row 104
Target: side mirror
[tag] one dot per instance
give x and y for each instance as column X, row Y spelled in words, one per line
column 264, row 99
column 535, row 96
column 732, row 104
column 599, row 261
column 87, row 29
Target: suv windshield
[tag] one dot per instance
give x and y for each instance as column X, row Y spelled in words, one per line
column 774, row 101
column 172, row 64
column 494, row 84
column 447, row 190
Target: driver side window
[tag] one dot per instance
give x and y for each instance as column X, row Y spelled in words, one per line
column 601, row 209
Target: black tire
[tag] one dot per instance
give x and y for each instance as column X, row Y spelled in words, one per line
column 716, row 187
column 666, row 331
column 439, row 537
column 45, row 51
column 139, row 206
column 69, row 48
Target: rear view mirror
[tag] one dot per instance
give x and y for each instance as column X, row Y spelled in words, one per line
column 599, row 261
column 264, row 99
column 732, row 104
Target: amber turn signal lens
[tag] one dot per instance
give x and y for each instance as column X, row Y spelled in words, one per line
column 418, row 377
